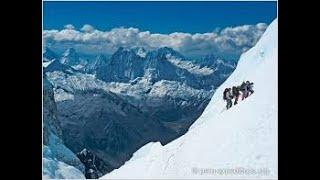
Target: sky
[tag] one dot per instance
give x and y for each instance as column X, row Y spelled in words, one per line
column 195, row 29
column 158, row 17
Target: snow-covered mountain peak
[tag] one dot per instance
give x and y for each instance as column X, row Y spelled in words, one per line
column 71, row 58
column 56, row 65
column 140, row 51
column 162, row 52
column 137, row 51
column 127, row 52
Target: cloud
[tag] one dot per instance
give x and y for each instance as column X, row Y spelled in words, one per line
column 69, row 26
column 87, row 28
column 227, row 42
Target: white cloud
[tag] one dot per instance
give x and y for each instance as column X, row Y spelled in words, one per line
column 69, row 26
column 230, row 41
column 87, row 28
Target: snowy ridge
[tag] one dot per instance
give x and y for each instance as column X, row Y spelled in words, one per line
column 47, row 62
column 189, row 66
column 66, row 85
column 245, row 136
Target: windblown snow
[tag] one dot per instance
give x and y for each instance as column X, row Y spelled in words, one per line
column 237, row 143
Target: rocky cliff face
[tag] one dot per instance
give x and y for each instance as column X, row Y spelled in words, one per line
column 50, row 120
column 100, row 62
column 124, row 65
column 58, row 160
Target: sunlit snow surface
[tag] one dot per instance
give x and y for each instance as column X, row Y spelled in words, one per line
column 243, row 137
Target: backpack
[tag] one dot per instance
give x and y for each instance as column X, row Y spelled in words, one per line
column 235, row 91
column 243, row 86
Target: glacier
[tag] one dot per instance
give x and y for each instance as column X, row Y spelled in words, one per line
column 243, row 137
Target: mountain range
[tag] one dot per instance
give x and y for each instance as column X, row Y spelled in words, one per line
column 114, row 105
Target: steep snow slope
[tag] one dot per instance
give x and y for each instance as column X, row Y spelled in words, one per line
column 242, row 138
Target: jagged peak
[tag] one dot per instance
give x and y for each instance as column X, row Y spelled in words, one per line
column 56, row 65
column 166, row 51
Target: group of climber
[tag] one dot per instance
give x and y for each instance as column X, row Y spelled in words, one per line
column 245, row 89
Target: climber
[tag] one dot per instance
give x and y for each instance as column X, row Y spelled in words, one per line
column 249, row 88
column 225, row 94
column 244, row 90
column 228, row 97
column 235, row 94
